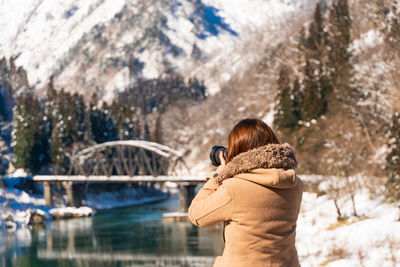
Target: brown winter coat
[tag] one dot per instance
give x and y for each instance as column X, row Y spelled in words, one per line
column 259, row 206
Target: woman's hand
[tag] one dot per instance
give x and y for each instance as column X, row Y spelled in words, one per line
column 221, row 158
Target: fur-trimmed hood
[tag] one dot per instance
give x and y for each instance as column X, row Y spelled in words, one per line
column 270, row 165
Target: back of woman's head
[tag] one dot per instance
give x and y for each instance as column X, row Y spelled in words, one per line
column 249, row 134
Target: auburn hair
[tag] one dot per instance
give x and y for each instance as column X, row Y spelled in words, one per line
column 249, row 134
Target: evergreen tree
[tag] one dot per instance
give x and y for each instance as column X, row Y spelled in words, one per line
column 298, row 99
column 313, row 41
column 96, row 119
column 3, row 105
column 59, row 134
column 79, row 114
column 317, row 36
column 101, row 122
column 156, row 135
column 146, row 132
column 24, row 131
column 339, row 55
column 41, row 146
column 66, row 121
column 392, row 30
column 325, row 88
column 20, row 144
column 393, row 159
column 56, row 149
column 110, row 133
column 124, row 115
column 315, row 83
column 285, row 116
column 118, row 111
column 49, row 115
column 327, row 67
column 68, row 117
column 311, row 108
column 3, row 158
column 160, row 164
column 137, row 120
column 311, row 96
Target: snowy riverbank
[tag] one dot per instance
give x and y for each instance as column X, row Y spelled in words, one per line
column 20, row 198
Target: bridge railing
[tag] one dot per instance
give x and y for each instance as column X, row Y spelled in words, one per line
column 127, row 157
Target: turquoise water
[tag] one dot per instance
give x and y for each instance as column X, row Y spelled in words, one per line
column 133, row 236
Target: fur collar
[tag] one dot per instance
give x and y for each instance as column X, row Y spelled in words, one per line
column 265, row 157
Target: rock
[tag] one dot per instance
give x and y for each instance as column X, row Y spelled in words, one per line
column 35, row 217
column 9, row 218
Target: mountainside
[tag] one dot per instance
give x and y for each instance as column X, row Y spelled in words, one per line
column 103, row 45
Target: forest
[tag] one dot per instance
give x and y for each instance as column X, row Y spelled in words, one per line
column 48, row 131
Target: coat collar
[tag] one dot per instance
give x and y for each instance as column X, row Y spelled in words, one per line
column 271, row 156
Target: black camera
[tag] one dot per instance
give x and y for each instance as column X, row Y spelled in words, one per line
column 214, row 154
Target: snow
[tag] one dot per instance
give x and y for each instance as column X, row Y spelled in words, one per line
column 172, row 188
column 48, row 30
column 371, row 239
column 42, row 34
column 20, row 205
column 316, row 243
column 380, row 154
column 244, row 14
column 18, row 173
column 269, row 116
column 16, row 197
column 370, row 39
column 119, row 81
column 22, row 197
column 76, row 212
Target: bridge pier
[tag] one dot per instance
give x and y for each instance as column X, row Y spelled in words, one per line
column 73, row 185
column 48, row 197
column 186, row 195
column 74, row 194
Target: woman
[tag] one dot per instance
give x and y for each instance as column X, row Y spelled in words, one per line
column 257, row 195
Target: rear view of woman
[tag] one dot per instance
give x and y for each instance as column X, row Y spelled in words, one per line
column 257, row 195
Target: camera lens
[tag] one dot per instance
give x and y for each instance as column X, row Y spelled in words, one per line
column 214, row 154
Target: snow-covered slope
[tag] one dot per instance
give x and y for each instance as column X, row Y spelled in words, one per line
column 372, row 239
column 102, row 45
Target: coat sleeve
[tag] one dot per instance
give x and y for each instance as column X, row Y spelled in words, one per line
column 211, row 205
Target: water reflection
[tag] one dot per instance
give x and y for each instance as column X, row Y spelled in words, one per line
column 133, row 236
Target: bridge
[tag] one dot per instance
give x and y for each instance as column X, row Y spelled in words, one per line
column 132, row 161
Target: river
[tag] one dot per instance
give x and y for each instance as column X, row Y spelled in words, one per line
column 131, row 236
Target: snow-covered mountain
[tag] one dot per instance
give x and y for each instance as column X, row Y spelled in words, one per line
column 103, row 45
